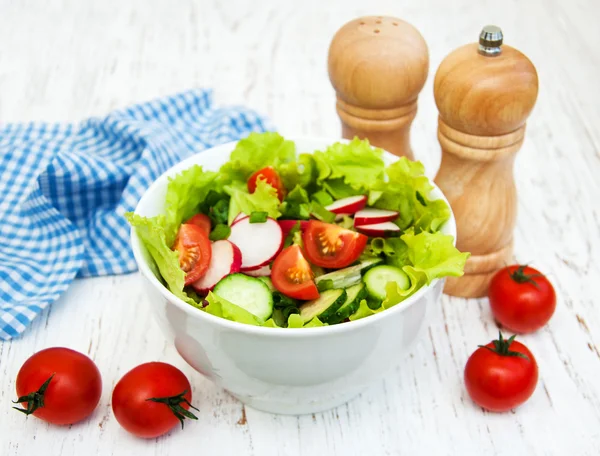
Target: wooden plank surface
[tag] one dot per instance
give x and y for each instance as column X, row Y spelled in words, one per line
column 66, row 60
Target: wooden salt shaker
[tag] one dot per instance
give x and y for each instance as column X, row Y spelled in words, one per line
column 378, row 65
column 484, row 93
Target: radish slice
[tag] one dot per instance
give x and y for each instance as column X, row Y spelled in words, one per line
column 371, row 216
column 287, row 225
column 258, row 242
column 263, row 271
column 238, row 217
column 379, row 229
column 348, row 205
column 226, row 259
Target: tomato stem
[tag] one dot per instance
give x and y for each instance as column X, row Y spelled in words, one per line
column 34, row 400
column 519, row 276
column 502, row 347
column 174, row 403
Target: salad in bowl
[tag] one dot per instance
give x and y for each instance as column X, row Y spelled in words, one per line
column 282, row 239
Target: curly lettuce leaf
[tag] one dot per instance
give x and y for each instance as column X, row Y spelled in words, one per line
column 185, row 193
column 164, row 262
column 254, row 152
column 220, row 307
column 356, row 164
column 424, row 257
column 264, row 199
column 407, row 191
column 301, row 172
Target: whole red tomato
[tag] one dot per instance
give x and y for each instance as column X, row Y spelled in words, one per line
column 501, row 375
column 522, row 299
column 59, row 385
column 151, row 399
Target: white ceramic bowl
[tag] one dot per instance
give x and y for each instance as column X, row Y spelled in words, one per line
column 287, row 371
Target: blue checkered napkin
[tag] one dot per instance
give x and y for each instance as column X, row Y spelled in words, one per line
column 64, row 190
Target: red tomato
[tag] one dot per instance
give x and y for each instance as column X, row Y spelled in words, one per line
column 291, row 274
column 195, row 251
column 271, row 177
column 201, row 220
column 59, row 385
column 521, row 298
column 151, row 399
column 502, row 375
column 331, row 246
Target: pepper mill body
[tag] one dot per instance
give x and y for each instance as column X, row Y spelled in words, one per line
column 484, row 94
column 378, row 66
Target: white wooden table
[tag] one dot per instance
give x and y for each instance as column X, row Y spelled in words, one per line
column 65, row 60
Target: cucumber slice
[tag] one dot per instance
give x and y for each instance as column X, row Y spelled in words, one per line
column 249, row 293
column 354, row 295
column 377, row 278
column 324, row 306
column 347, row 277
column 267, row 281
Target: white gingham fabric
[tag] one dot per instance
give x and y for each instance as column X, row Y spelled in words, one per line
column 64, row 190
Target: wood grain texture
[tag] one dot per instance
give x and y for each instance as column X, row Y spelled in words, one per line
column 378, row 65
column 65, row 60
column 483, row 104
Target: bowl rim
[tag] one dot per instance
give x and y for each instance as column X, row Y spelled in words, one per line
column 224, row 323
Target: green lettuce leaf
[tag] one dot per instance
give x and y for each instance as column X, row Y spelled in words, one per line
column 356, row 163
column 164, row 262
column 222, row 308
column 264, row 199
column 254, row 152
column 301, row 172
column 185, row 193
column 407, row 192
column 434, row 255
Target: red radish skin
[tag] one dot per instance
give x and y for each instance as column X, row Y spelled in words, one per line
column 372, row 216
column 237, row 218
column 287, row 225
column 264, row 271
column 379, row 229
column 226, row 259
column 348, row 205
column 259, row 242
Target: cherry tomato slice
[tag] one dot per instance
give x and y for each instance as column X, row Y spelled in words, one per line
column 331, row 246
column 271, row 177
column 202, row 220
column 195, row 251
column 291, row 274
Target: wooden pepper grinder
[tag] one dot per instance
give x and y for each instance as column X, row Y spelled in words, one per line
column 378, row 65
column 484, row 93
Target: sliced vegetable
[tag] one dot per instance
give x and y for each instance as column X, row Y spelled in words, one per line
column 268, row 282
column 354, row 295
column 258, row 242
column 349, row 205
column 249, row 293
column 380, row 229
column 331, row 246
column 372, row 216
column 270, row 176
column 347, row 277
column 226, row 259
column 202, row 220
column 324, row 306
column 238, row 217
column 195, row 251
column 287, row 225
column 291, row 274
column 377, row 278
column 263, row 271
